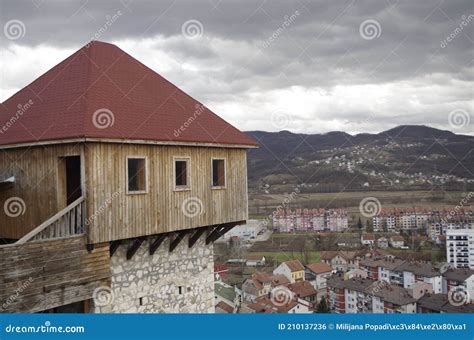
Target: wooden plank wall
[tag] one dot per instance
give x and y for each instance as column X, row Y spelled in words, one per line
column 37, row 183
column 118, row 215
column 42, row 275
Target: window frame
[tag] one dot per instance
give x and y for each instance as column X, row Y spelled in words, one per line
column 218, row 187
column 186, row 187
column 137, row 192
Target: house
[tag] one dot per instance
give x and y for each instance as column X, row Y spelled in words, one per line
column 439, row 303
column 255, row 260
column 401, row 272
column 224, row 308
column 382, row 242
column 420, row 271
column 341, row 260
column 367, row 239
column 317, row 274
column 293, row 270
column 304, row 290
column 345, row 241
column 359, row 295
column 268, row 305
column 391, row 299
column 118, row 183
column 397, row 241
column 260, row 284
column 459, row 278
column 354, row 273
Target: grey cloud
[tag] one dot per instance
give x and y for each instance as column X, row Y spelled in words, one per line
column 322, row 48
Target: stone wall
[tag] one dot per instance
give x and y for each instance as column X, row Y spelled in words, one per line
column 178, row 282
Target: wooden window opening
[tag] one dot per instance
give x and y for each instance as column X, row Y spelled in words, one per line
column 136, row 175
column 181, row 174
column 218, row 173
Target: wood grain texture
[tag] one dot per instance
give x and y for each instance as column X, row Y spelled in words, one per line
column 112, row 213
column 161, row 208
column 37, row 182
column 51, row 274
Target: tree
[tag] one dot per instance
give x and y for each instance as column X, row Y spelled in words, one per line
column 323, row 306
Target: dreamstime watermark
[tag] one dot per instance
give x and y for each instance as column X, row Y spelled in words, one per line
column 370, row 29
column 22, row 109
column 22, row 286
column 459, row 119
column 459, row 296
column 280, row 118
column 103, row 296
column 192, row 207
column 458, row 207
column 102, row 207
column 369, row 207
column 281, row 296
column 192, row 29
column 288, row 21
column 103, row 118
column 14, row 29
column 110, row 20
column 465, row 20
column 14, row 207
column 281, row 207
column 197, row 112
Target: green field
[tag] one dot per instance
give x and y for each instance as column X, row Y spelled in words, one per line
column 279, row 257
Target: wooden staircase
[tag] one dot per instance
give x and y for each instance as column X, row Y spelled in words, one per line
column 66, row 223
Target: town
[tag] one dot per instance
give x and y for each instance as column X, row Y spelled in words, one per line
column 382, row 268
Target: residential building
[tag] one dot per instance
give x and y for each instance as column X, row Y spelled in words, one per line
column 367, row 239
column 459, row 278
column 304, row 290
column 342, row 260
column 439, row 303
column 460, row 247
column 261, row 284
column 309, row 220
column 119, row 199
column 382, row 242
column 255, row 260
column 359, row 295
column 401, row 272
column 268, row 305
column 397, row 241
column 317, row 273
column 293, row 270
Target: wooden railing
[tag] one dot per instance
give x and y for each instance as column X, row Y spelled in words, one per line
column 68, row 222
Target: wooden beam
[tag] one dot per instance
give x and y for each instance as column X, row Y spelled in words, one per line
column 157, row 242
column 194, row 237
column 179, row 236
column 134, row 247
column 219, row 231
column 213, row 231
column 114, row 246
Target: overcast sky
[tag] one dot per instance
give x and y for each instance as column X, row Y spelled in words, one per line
column 303, row 66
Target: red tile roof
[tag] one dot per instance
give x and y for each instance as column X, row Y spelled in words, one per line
column 319, row 267
column 302, row 289
column 294, row 265
column 100, row 81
